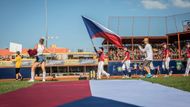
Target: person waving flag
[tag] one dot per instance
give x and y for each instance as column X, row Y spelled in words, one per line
column 96, row 30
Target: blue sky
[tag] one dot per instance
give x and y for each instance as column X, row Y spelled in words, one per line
column 23, row 21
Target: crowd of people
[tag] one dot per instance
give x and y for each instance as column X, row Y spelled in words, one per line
column 135, row 54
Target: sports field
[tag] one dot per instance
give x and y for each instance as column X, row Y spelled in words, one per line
column 95, row 93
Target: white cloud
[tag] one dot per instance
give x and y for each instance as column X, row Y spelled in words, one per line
column 153, row 4
column 181, row 3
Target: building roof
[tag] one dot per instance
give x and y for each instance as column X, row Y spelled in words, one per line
column 57, row 50
column 24, row 51
column 5, row 52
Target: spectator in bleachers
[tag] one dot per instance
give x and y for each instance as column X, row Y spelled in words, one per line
column 136, row 54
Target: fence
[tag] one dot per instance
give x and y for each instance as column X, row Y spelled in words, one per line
column 148, row 25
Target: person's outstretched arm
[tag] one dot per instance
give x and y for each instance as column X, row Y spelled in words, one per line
column 140, row 47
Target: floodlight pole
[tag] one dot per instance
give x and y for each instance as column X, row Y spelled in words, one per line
column 149, row 21
column 118, row 25
column 108, row 28
column 178, row 37
column 46, row 23
column 166, row 26
column 132, row 40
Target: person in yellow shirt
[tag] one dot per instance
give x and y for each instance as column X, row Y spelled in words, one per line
column 18, row 63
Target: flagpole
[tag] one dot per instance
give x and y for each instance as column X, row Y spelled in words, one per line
column 92, row 43
column 46, row 24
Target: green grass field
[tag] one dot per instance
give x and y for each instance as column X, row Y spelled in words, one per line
column 9, row 86
column 182, row 83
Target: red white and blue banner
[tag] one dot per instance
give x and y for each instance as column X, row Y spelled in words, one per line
column 96, row 30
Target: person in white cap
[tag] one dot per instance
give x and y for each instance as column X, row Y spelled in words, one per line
column 149, row 56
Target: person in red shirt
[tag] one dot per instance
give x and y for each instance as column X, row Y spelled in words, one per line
column 166, row 60
column 101, row 58
column 188, row 59
column 126, row 63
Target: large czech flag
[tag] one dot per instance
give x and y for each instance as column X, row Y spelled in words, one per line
column 96, row 30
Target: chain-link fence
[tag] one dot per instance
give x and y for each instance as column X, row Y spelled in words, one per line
column 148, row 25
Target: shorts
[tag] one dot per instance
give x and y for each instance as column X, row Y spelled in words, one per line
column 40, row 58
column 17, row 70
column 146, row 63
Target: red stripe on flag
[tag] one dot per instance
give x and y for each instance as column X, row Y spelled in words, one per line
column 114, row 39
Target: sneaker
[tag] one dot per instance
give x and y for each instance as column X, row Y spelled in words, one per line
column 108, row 76
column 185, row 75
column 21, row 78
column 155, row 76
column 123, row 76
column 31, row 80
column 141, row 76
column 170, row 73
column 127, row 76
column 98, row 78
column 148, row 76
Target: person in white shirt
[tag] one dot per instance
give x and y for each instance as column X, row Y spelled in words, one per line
column 40, row 60
column 149, row 56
